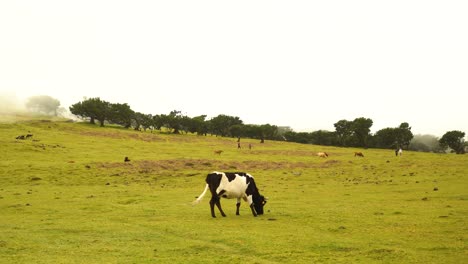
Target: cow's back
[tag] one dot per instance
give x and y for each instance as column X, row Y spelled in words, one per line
column 230, row 184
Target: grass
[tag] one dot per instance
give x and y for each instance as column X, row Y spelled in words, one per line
column 66, row 196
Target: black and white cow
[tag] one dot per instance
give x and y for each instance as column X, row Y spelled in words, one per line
column 233, row 185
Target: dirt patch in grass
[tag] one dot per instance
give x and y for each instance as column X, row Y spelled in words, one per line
column 154, row 166
column 119, row 135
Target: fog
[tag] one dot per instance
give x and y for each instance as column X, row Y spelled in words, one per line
column 427, row 143
column 10, row 103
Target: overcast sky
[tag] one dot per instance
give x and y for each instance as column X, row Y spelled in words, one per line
column 304, row 64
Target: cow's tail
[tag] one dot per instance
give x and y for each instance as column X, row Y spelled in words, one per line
column 201, row 196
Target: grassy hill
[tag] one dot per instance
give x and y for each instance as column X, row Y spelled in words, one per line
column 67, row 196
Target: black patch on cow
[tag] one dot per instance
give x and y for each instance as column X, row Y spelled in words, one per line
column 213, row 180
column 231, row 176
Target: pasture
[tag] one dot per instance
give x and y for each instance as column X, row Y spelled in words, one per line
column 67, row 196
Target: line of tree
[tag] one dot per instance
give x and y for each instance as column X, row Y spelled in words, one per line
column 355, row 133
column 97, row 110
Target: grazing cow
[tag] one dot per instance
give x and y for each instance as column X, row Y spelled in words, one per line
column 322, row 154
column 233, row 185
column 358, row 154
column 20, row 137
column 218, row 152
column 126, row 159
column 400, row 151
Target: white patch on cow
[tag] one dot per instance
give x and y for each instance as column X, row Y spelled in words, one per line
column 235, row 188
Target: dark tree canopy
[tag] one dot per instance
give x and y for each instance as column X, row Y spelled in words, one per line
column 94, row 109
column 361, row 129
column 454, row 140
column 343, row 131
column 399, row 137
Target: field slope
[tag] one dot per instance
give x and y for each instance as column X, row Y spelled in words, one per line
column 67, row 196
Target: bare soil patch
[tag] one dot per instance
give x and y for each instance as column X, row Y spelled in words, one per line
column 154, row 166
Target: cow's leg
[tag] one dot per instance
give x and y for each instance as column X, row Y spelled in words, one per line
column 212, row 204
column 218, row 204
column 253, row 209
column 250, row 201
column 238, row 205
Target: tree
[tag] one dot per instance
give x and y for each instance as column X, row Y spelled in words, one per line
column 323, row 137
column 361, row 128
column 403, row 136
column 93, row 108
column 43, row 104
column 385, row 138
column 399, row 137
column 221, row 124
column 268, row 131
column 122, row 114
column 173, row 121
column 198, row 125
column 343, row 130
column 143, row 120
column 454, row 140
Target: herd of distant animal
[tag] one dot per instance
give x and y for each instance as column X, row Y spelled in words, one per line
column 239, row 185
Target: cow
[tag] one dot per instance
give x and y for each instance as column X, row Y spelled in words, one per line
column 218, row 152
column 358, row 154
column 233, row 185
column 322, row 154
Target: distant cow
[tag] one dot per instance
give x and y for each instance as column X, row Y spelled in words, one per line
column 398, row 152
column 20, row 137
column 322, row 154
column 233, row 185
column 218, row 152
column 358, row 154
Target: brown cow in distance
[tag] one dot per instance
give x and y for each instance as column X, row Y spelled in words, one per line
column 322, row 154
column 358, row 154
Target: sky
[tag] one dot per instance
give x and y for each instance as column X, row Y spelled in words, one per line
column 303, row 64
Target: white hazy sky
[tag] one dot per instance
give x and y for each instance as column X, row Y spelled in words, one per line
column 304, row 64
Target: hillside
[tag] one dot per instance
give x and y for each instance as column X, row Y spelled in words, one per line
column 67, row 196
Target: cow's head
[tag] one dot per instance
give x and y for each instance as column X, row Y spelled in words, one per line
column 259, row 202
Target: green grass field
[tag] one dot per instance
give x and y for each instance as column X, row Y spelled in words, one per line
column 66, row 196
